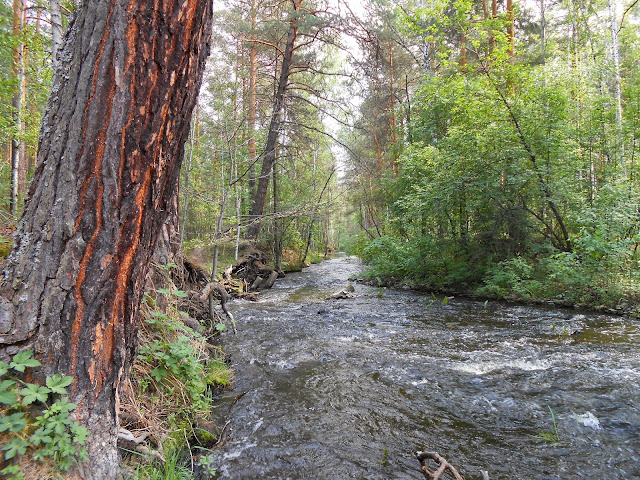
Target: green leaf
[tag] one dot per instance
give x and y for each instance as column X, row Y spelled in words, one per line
column 79, row 433
column 16, row 446
column 4, row 368
column 13, row 423
column 23, row 360
column 40, row 436
column 12, row 472
column 32, row 393
column 159, row 373
column 166, row 291
column 7, row 397
column 59, row 383
column 180, row 293
column 62, row 405
column 221, row 327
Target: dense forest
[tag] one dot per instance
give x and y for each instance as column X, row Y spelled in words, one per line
column 471, row 146
column 483, row 147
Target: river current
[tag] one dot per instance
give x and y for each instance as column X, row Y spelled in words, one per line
column 348, row 389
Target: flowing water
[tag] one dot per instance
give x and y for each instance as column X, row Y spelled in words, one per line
column 340, row 389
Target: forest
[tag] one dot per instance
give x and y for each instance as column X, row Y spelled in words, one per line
column 483, row 148
column 464, row 146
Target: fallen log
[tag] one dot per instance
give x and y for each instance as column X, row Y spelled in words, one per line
column 256, row 283
column 424, row 457
column 272, row 279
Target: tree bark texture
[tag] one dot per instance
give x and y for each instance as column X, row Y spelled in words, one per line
column 109, row 154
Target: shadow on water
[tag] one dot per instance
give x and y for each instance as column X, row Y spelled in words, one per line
column 340, row 389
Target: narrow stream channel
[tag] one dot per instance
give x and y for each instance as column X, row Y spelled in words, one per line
column 340, row 389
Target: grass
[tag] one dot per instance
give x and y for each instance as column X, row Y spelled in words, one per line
column 550, row 436
column 173, row 469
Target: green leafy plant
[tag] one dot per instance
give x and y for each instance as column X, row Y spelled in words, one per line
column 36, row 419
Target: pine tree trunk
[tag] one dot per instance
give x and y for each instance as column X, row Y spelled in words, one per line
column 108, row 160
column 260, row 195
column 253, row 73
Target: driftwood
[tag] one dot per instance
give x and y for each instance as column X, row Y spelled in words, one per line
column 346, row 292
column 218, row 291
column 128, row 441
column 424, row 457
column 272, row 279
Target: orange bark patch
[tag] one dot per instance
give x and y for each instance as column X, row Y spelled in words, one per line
column 97, row 175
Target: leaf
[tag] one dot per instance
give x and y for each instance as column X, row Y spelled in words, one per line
column 180, row 293
column 221, row 327
column 14, row 471
column 80, row 433
column 32, row 392
column 13, row 423
column 7, row 397
column 16, row 446
column 62, row 405
column 23, row 360
column 166, row 291
column 159, row 373
column 59, row 383
column 40, row 436
column 4, row 368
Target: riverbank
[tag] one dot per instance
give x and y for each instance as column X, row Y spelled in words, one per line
column 516, row 281
column 629, row 305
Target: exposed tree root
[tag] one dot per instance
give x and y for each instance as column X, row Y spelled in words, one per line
column 424, row 457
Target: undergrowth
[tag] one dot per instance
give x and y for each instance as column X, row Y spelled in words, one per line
column 38, row 437
column 172, row 383
column 580, row 278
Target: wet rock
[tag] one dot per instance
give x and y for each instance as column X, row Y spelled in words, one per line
column 346, row 292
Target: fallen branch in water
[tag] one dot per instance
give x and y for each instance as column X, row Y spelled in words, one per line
column 424, row 457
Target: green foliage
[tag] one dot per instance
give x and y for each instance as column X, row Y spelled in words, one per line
column 37, row 419
column 176, row 368
column 515, row 179
column 173, row 468
column 5, row 247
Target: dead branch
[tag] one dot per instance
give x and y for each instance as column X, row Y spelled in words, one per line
column 424, row 457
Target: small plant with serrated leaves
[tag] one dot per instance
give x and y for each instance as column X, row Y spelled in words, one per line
column 36, row 419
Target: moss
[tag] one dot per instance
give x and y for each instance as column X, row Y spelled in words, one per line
column 5, row 247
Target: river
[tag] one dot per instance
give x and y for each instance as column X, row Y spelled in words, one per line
column 348, row 389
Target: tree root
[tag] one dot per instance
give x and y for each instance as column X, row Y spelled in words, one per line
column 424, row 457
